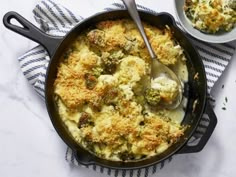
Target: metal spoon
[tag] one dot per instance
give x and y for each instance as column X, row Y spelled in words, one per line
column 157, row 68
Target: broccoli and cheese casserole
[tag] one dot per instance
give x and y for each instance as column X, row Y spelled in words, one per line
column 211, row 16
column 100, row 96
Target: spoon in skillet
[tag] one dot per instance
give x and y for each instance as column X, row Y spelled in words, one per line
column 158, row 70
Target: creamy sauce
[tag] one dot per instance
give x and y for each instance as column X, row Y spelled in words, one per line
column 181, row 71
column 177, row 114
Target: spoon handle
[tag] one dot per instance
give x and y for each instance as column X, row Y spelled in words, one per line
column 132, row 8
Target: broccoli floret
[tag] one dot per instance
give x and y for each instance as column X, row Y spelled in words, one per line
column 85, row 120
column 126, row 155
column 97, row 71
column 231, row 4
column 97, row 37
column 90, row 81
column 152, row 96
column 111, row 60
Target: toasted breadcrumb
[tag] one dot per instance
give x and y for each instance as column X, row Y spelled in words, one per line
column 98, row 86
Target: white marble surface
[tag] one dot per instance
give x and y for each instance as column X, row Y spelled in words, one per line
column 29, row 146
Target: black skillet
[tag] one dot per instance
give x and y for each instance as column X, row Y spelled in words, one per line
column 194, row 90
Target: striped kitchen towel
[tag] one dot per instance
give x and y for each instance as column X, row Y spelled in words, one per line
column 57, row 20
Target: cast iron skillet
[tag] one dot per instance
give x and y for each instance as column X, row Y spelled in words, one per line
column 194, row 90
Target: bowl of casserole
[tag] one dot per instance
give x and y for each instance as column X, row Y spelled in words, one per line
column 211, row 21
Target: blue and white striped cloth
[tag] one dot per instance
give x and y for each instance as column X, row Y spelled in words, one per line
column 57, row 20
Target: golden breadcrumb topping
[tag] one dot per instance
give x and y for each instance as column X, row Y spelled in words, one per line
column 99, row 91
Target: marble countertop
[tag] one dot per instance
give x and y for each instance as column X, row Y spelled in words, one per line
column 29, row 145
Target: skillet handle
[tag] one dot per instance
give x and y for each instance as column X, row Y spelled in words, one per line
column 32, row 32
column 204, row 139
column 84, row 158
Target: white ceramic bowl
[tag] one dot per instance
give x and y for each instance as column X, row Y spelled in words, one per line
column 212, row 38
